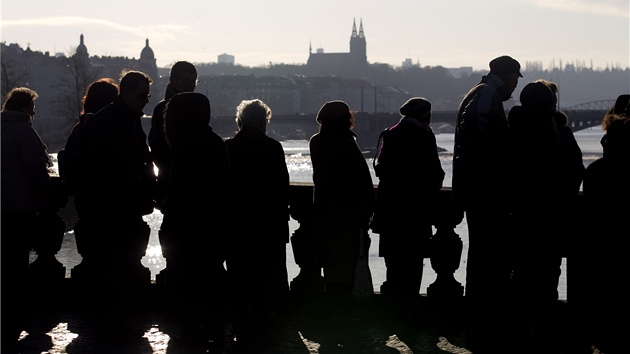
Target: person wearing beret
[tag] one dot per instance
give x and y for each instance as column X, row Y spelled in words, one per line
column 410, row 176
column 343, row 198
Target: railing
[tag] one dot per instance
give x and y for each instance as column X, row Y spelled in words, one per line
column 445, row 255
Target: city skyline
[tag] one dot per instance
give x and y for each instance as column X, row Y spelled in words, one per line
column 449, row 33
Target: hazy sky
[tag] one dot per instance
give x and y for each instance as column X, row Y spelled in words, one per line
column 451, row 33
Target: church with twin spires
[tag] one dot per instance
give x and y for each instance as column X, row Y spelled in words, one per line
column 353, row 64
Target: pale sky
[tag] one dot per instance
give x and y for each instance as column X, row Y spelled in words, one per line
column 450, row 33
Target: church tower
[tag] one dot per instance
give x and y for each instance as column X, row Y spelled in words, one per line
column 147, row 63
column 147, row 59
column 358, row 46
column 352, row 64
column 82, row 52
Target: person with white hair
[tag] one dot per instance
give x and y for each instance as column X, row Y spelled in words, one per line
column 256, row 261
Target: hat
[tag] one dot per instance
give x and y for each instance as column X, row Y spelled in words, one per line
column 334, row 111
column 505, row 65
column 417, row 107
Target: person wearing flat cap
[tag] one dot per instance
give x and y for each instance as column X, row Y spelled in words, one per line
column 480, row 180
column 343, row 198
column 410, row 177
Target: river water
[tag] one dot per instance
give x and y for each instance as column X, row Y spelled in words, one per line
column 299, row 165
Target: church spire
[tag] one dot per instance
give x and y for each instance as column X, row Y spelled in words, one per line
column 361, row 29
column 354, row 28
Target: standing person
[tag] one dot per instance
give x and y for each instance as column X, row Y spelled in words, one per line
column 195, row 226
column 99, row 94
column 257, row 259
column 539, row 197
column 479, row 179
column 343, row 198
column 603, row 261
column 182, row 78
column 25, row 187
column 119, row 193
column 479, row 185
column 410, row 177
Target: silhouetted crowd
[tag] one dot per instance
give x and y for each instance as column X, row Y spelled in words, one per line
column 226, row 206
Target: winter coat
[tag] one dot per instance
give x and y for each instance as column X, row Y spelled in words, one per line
column 550, row 184
column 25, row 162
column 260, row 180
column 196, row 206
column 410, row 176
column 118, row 168
column 480, row 146
column 343, row 189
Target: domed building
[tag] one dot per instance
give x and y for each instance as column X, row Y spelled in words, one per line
column 82, row 52
column 147, row 61
column 147, row 64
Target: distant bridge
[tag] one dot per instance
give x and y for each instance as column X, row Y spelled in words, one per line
column 587, row 115
column 369, row 125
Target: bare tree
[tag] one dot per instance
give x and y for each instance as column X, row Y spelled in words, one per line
column 73, row 81
column 14, row 73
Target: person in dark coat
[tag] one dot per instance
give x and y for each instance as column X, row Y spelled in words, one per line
column 602, row 259
column 343, row 197
column 182, row 78
column 538, row 195
column 98, row 95
column 479, row 181
column 410, row 176
column 119, row 193
column 479, row 186
column 257, row 258
column 195, row 227
column 25, row 188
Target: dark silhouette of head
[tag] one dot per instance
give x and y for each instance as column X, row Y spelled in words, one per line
column 99, row 94
column 336, row 114
column 538, row 97
column 183, row 76
column 135, row 89
column 185, row 114
column 253, row 113
column 417, row 107
column 505, row 65
column 509, row 71
column 622, row 105
column 616, row 140
column 20, row 99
